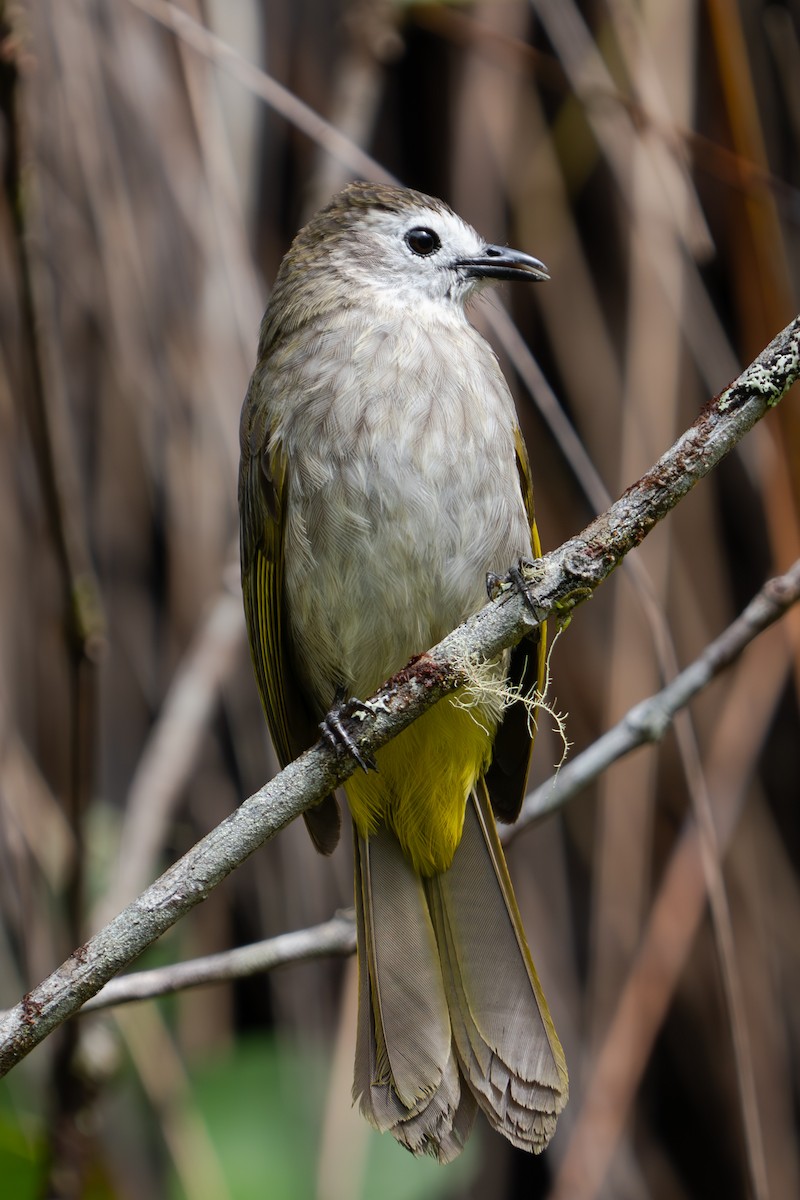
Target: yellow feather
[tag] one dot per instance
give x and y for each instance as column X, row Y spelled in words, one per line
column 420, row 788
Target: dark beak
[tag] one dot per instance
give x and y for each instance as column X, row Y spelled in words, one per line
column 500, row 262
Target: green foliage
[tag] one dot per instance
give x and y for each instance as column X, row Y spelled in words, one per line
column 22, row 1145
column 263, row 1108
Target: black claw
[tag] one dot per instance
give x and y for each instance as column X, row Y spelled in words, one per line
column 494, row 584
column 515, row 578
column 335, row 734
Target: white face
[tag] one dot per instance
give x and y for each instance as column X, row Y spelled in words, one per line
column 412, row 256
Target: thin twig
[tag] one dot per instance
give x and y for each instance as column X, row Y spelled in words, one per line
column 649, row 720
column 334, row 937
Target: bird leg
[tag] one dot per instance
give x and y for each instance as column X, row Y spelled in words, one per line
column 335, row 733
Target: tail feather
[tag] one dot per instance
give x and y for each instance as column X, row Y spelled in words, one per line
column 451, row 1011
column 506, row 1043
column 406, row 1072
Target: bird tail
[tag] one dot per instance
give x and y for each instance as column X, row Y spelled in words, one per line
column 451, row 1011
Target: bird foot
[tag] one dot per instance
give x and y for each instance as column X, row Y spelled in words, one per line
column 525, row 572
column 337, row 736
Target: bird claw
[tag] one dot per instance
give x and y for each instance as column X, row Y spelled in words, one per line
column 337, row 736
column 517, row 579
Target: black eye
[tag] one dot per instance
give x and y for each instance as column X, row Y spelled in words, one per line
column 423, row 241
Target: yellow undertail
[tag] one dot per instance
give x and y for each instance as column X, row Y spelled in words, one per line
column 422, row 783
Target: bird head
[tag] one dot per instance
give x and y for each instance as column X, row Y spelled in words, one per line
column 376, row 243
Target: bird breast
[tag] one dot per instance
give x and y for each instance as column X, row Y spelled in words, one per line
column 402, row 490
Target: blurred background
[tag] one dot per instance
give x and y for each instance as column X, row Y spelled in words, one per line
column 157, row 159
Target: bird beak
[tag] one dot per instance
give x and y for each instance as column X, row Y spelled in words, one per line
column 501, row 262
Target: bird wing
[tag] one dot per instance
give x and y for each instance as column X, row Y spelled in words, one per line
column 262, row 497
column 507, row 776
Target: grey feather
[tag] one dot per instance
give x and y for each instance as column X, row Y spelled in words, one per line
column 506, row 1044
column 451, row 1011
column 406, row 1071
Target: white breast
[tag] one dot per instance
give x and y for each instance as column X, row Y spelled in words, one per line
column 402, row 492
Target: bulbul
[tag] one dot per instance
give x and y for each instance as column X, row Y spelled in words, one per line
column 383, row 475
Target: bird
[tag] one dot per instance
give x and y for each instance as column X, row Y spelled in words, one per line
column 383, row 478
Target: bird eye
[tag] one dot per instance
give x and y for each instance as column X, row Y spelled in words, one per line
column 423, row 241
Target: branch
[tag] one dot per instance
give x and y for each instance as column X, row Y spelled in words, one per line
column 563, row 579
column 646, row 723
column 337, row 936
